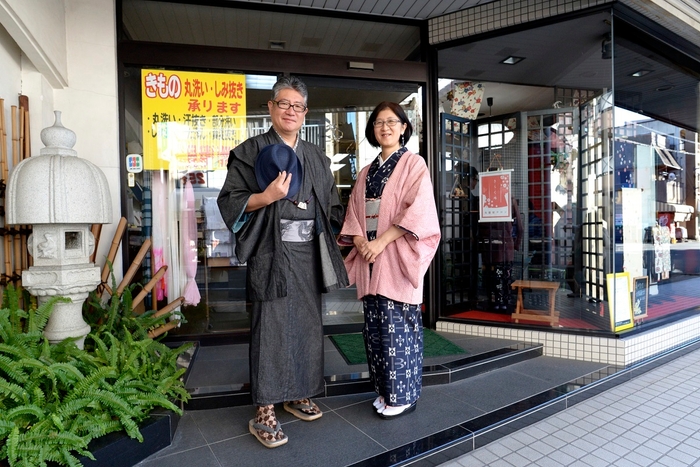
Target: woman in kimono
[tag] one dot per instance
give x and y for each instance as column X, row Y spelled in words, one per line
column 393, row 225
column 284, row 216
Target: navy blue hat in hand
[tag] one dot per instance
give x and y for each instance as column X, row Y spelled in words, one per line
column 276, row 158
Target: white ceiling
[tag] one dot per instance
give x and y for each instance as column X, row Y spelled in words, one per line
column 414, row 9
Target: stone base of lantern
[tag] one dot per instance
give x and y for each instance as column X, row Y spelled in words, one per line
column 67, row 321
column 71, row 281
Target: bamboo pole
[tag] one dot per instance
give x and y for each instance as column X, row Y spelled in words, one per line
column 96, row 230
column 17, row 260
column 163, row 329
column 24, row 105
column 149, row 286
column 25, row 152
column 116, row 240
column 165, row 310
column 154, row 298
column 15, row 137
column 170, row 307
column 135, row 265
column 8, row 236
column 4, row 174
column 20, row 139
column 3, row 135
column 17, row 145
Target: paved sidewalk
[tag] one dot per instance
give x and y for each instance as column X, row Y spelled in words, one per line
column 652, row 420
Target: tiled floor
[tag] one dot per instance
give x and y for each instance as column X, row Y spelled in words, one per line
column 350, row 433
column 651, row 420
column 539, row 412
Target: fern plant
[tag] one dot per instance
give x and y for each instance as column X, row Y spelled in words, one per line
column 56, row 398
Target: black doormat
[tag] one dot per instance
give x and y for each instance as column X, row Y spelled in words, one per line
column 352, row 346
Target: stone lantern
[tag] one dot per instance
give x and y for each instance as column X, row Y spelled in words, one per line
column 61, row 196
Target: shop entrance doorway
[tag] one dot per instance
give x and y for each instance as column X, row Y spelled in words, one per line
column 336, row 121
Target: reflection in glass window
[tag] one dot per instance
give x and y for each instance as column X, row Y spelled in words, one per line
column 184, row 123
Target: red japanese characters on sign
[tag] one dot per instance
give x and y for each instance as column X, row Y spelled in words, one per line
column 191, row 120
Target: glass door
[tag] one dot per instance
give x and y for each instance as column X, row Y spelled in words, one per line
column 185, row 151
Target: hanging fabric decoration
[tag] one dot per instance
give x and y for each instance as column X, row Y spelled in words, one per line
column 188, row 234
column 159, row 232
column 466, row 100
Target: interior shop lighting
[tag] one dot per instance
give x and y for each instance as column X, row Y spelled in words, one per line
column 512, row 60
column 367, row 66
column 278, row 45
column 260, row 82
column 665, row 87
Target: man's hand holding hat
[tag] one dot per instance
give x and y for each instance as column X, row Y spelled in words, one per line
column 278, row 173
column 278, row 188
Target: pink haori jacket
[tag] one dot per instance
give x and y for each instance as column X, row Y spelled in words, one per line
column 408, row 203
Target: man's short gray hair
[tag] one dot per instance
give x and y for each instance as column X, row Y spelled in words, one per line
column 290, row 82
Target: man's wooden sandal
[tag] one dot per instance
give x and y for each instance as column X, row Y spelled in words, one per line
column 298, row 410
column 268, row 443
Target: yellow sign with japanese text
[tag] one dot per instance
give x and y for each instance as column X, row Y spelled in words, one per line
column 191, row 120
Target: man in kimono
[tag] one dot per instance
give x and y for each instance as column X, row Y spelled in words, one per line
column 286, row 237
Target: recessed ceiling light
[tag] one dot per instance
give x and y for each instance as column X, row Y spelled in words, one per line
column 639, row 73
column 665, row 87
column 278, row 45
column 512, row 60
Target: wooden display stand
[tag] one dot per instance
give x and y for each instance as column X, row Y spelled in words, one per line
column 536, row 315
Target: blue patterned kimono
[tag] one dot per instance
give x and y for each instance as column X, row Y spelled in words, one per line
column 393, row 330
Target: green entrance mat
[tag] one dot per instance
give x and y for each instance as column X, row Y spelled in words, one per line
column 352, row 346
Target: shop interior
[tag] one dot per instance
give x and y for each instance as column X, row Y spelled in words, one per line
column 603, row 178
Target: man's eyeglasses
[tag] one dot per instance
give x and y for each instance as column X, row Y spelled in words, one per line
column 389, row 123
column 284, row 105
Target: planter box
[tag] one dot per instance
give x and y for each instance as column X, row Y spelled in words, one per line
column 118, row 450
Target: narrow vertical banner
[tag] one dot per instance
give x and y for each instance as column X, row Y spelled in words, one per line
column 191, row 120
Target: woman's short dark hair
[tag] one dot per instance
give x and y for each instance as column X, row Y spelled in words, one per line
column 398, row 111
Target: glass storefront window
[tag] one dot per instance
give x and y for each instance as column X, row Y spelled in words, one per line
column 184, row 137
column 545, row 263
column 656, row 185
column 603, row 171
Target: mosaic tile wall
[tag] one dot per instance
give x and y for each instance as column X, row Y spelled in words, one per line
column 500, row 14
column 622, row 352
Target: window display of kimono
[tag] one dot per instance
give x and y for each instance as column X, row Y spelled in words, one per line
column 498, row 242
column 662, row 251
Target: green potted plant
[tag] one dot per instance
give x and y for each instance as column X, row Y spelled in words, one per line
column 55, row 399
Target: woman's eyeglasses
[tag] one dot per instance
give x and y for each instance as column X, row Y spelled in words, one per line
column 389, row 123
column 284, row 105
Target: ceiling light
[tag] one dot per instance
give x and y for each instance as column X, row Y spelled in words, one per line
column 639, row 73
column 368, row 66
column 260, row 82
column 277, row 45
column 512, row 60
column 665, row 87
